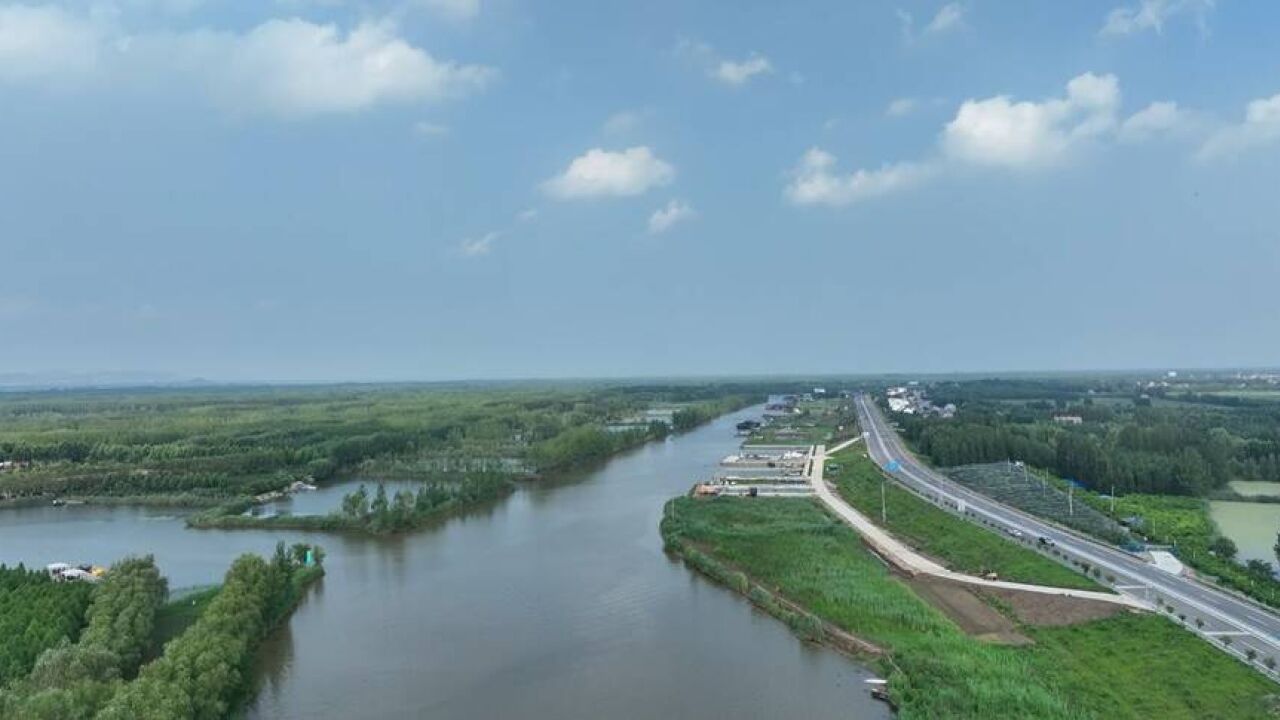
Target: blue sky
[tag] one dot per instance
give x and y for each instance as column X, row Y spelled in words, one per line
column 318, row 190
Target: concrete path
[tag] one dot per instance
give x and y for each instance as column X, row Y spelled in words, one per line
column 912, row 562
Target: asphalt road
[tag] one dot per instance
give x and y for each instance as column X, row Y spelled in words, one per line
column 1247, row 624
column 902, row 556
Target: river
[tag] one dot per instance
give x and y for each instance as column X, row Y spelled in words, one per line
column 556, row 602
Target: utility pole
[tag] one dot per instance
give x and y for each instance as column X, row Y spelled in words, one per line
column 884, row 512
column 1071, row 505
column 1113, row 500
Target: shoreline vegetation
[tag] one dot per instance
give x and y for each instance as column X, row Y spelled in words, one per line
column 203, row 448
column 221, row 451
column 793, row 560
column 143, row 657
column 378, row 513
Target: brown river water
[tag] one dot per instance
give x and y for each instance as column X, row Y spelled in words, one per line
column 556, row 602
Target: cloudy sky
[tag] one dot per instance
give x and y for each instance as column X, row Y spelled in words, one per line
column 434, row 189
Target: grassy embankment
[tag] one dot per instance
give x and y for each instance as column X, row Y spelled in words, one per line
column 957, row 543
column 790, row 551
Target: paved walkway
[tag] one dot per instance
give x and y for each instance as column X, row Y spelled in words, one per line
column 912, row 562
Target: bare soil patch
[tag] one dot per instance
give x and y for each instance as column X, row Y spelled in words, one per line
column 1051, row 610
column 969, row 611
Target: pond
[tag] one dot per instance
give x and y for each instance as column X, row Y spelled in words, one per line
column 1251, row 526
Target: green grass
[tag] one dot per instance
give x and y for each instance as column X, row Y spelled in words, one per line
column 959, row 544
column 793, row 546
column 177, row 615
column 1126, row 667
column 1145, row 666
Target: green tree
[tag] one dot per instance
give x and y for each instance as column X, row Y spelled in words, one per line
column 1223, row 547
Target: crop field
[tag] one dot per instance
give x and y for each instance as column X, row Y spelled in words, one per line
column 1033, row 494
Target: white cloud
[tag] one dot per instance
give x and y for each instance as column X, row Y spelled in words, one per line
column 901, row 106
column 295, row 68
column 1157, row 119
column 1152, row 15
column 46, row 43
column 735, row 73
column 430, row 129
column 949, row 17
column 673, row 212
column 527, row 215
column 999, row 131
column 906, row 24
column 604, row 173
column 995, row 132
column 623, row 123
column 285, row 68
column 1260, row 128
column 814, row 182
column 453, row 9
column 475, row 247
column 739, row 73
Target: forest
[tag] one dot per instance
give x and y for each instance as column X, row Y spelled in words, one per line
column 1137, row 441
column 36, row 613
column 199, row 674
column 209, row 446
column 75, row 679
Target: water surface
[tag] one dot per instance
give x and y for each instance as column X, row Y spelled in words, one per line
column 554, row 603
column 1251, row 526
column 1255, row 487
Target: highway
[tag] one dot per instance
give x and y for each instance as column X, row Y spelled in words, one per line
column 1249, row 626
column 903, row 557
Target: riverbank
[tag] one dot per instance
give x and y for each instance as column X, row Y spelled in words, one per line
column 378, row 513
column 1127, row 666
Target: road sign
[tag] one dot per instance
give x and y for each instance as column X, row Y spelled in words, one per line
column 893, row 465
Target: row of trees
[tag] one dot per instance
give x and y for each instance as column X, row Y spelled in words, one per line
column 203, row 672
column 1182, row 450
column 73, row 681
column 405, row 510
column 36, row 613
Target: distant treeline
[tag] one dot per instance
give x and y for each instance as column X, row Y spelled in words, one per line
column 379, row 513
column 1178, row 449
column 210, row 445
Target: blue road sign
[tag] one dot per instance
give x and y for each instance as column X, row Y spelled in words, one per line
column 893, row 466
